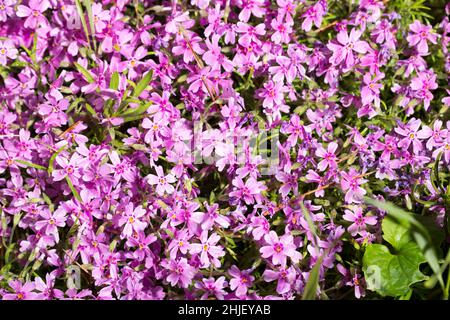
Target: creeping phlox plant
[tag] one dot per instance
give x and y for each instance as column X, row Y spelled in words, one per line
column 229, row 149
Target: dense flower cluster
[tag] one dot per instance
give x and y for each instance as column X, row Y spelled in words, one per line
column 211, row 149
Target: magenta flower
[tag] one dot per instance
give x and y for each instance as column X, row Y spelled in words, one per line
column 280, row 248
column 212, row 287
column 370, row 91
column 412, row 134
column 69, row 168
column 353, row 279
column 314, row 14
column 214, row 57
column 101, row 17
column 33, row 13
column 52, row 221
column 282, row 30
column 6, row 9
column 359, row 221
column 21, row 291
column 285, row 277
column 273, row 94
column 248, row 191
column 241, row 281
column 250, row 7
column 422, row 84
column 290, row 182
column 180, row 272
column 47, row 290
column 351, row 182
column 132, row 220
column 162, row 182
column 208, row 250
column 328, row 156
column 7, row 50
column 419, row 37
column 346, row 44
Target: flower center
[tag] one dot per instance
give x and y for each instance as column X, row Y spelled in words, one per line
column 20, row 296
column 69, row 169
column 3, row 51
column 131, row 220
column 278, row 247
column 35, row 13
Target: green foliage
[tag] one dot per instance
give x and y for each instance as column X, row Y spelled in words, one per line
column 392, row 273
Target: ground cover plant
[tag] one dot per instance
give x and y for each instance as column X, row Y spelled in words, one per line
column 229, row 149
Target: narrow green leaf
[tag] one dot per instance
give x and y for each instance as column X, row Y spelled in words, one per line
column 142, row 85
column 88, row 6
column 83, row 21
column 52, row 159
column 114, row 82
column 91, row 110
column 29, row 164
column 74, row 191
column 310, row 291
column 307, row 215
column 85, row 73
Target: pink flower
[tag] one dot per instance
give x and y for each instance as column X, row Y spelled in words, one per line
column 132, row 220
column 248, row 191
column 51, row 222
column 212, row 287
column 313, row 14
column 162, row 182
column 419, row 37
column 251, row 7
column 241, row 281
column 7, row 50
column 6, row 9
column 214, row 57
column 33, row 13
column 280, row 248
column 209, row 251
column 370, row 91
column 21, row 291
column 282, row 30
column 359, row 221
column 68, row 168
column 181, row 272
column 346, row 44
column 422, row 84
column 101, row 17
column 412, row 134
column 285, row 277
column 350, row 183
column 329, row 158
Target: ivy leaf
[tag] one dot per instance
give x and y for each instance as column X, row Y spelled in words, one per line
column 392, row 273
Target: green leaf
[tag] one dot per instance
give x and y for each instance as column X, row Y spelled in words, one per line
column 29, row 164
column 142, row 85
column 74, row 191
column 310, row 291
column 83, row 21
column 114, row 82
column 91, row 110
column 392, row 273
column 426, row 234
column 52, row 159
column 88, row 5
column 85, row 73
